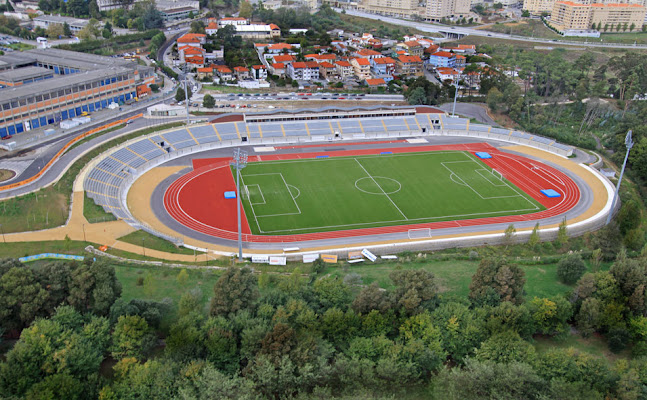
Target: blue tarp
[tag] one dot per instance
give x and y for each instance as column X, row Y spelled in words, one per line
column 482, row 154
column 50, row 255
column 230, row 195
column 550, row 193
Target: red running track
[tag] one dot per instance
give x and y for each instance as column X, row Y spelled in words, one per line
column 196, row 199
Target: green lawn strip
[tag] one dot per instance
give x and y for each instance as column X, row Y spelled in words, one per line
column 22, row 249
column 316, row 195
column 164, row 282
column 595, row 345
column 145, row 239
column 95, row 213
column 94, row 135
column 46, row 208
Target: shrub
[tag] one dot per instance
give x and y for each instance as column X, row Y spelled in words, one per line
column 570, row 268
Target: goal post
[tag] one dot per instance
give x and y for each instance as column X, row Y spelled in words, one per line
column 245, row 193
column 421, row 233
column 498, row 175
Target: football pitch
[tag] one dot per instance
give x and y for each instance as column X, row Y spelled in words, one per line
column 339, row 193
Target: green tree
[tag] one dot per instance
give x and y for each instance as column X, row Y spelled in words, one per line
column 550, row 315
column 415, row 290
column 588, row 318
column 213, row 384
column 132, row 337
column 562, row 233
column 370, row 298
column 533, row 240
column 208, row 101
column 508, row 235
column 94, row 288
column 570, row 268
column 506, row 347
column 494, row 99
column 506, row 280
column 67, row 31
column 236, row 289
column 245, row 10
column 22, row 298
column 332, row 292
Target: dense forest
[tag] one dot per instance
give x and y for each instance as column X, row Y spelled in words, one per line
column 320, row 335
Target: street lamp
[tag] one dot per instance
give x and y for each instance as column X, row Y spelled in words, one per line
column 455, row 96
column 84, row 233
column 629, row 143
column 143, row 248
column 239, row 162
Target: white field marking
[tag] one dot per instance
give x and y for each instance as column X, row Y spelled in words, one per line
column 251, row 206
column 514, row 189
column 378, row 185
column 470, row 186
column 409, row 154
column 486, row 214
column 536, row 168
column 462, row 182
column 478, row 171
column 278, row 215
column 382, row 177
column 298, row 191
column 259, row 191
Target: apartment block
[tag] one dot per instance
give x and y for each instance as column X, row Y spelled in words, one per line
column 568, row 15
column 439, row 9
column 538, row 7
column 395, row 8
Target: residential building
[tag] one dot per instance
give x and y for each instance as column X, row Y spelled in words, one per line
column 568, row 15
column 538, row 7
column 192, row 39
column 306, row 71
column 327, row 70
column 211, row 28
column 383, row 66
column 205, row 72
column 362, row 68
column 461, row 48
column 241, row 72
column 172, row 14
column 442, row 59
column 395, row 8
column 284, row 58
column 270, row 31
column 461, row 61
column 259, row 72
column 412, row 47
column 80, row 83
column 224, row 72
column 320, row 57
column 408, row 65
column 278, row 69
column 344, row 69
column 375, row 83
column 447, row 74
column 367, row 53
column 437, row 10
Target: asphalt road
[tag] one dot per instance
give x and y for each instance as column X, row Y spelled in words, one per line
column 470, row 110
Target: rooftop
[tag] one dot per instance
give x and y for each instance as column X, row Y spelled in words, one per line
column 21, row 74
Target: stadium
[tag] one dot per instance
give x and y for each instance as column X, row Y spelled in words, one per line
column 387, row 178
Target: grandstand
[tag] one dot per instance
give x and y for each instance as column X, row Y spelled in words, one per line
column 107, row 181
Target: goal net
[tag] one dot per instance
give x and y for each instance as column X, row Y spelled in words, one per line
column 245, row 192
column 422, row 233
column 497, row 174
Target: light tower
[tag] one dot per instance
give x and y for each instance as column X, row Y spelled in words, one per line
column 629, row 143
column 239, row 162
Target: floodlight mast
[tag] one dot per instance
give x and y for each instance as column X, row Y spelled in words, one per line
column 629, row 143
column 239, row 162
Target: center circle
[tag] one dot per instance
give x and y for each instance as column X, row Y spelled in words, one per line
column 378, row 185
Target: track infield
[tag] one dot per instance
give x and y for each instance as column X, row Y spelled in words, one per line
column 294, row 197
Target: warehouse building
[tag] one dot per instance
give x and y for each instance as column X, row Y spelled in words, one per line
column 46, row 86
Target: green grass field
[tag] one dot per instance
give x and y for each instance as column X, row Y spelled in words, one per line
column 327, row 194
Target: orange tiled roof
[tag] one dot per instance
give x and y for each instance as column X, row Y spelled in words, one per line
column 410, row 59
column 284, row 58
column 384, row 60
column 375, row 82
column 241, row 69
column 326, row 64
column 279, row 46
column 443, row 54
column 362, row 61
column 343, row 63
column 412, row 43
column 278, row 66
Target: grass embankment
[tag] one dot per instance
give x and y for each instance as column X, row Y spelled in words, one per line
column 6, row 174
column 95, row 213
column 49, row 207
column 143, row 238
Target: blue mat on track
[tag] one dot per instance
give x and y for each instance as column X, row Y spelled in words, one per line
column 550, row 193
column 230, row 195
column 482, row 154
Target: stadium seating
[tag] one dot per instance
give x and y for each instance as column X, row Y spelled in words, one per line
column 105, row 180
